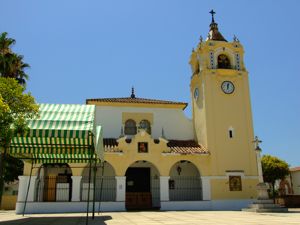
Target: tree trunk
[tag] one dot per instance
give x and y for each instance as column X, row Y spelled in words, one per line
column 273, row 191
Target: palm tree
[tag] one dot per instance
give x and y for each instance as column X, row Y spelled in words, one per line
column 11, row 64
column 5, row 43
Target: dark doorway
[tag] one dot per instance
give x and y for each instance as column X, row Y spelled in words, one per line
column 138, row 194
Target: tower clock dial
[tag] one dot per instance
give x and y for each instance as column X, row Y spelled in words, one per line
column 227, row 87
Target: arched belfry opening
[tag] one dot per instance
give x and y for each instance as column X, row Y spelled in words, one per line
column 142, row 186
column 223, row 62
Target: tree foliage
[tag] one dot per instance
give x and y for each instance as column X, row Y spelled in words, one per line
column 16, row 107
column 11, row 64
column 274, row 169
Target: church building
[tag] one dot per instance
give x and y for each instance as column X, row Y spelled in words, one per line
column 154, row 156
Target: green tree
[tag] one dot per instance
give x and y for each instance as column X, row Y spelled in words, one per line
column 6, row 43
column 16, row 107
column 274, row 169
column 11, row 64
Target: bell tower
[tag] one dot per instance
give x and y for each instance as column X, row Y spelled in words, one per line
column 221, row 106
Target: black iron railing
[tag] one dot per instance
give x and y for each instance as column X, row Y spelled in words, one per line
column 105, row 189
column 183, row 188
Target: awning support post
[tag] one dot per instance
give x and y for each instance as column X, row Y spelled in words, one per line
column 28, row 187
column 101, row 186
column 89, row 187
column 94, row 194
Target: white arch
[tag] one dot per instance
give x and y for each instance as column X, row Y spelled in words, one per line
column 228, row 52
column 185, row 182
column 185, row 168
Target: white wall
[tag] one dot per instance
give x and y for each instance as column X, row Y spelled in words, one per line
column 296, row 182
column 175, row 124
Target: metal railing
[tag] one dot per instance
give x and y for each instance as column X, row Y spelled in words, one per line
column 105, row 190
column 183, row 188
column 155, row 191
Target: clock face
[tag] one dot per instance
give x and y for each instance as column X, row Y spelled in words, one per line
column 196, row 93
column 227, row 87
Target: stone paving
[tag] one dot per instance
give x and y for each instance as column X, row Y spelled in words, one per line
column 147, row 218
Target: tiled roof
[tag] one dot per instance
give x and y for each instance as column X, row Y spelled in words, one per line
column 111, row 145
column 295, row 168
column 186, row 147
column 136, row 100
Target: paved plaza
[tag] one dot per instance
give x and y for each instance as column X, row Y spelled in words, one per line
column 147, row 218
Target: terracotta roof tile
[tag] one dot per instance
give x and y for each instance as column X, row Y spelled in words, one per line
column 111, row 145
column 136, row 100
column 295, row 168
column 186, row 147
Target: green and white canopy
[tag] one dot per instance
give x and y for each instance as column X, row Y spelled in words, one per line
column 62, row 133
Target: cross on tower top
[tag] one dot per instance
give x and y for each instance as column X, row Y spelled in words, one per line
column 257, row 142
column 212, row 12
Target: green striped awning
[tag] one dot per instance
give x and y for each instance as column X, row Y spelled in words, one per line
column 63, row 132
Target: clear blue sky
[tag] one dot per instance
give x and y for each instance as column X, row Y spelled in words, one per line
column 90, row 49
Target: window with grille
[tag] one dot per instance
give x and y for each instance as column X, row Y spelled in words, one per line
column 145, row 124
column 130, row 127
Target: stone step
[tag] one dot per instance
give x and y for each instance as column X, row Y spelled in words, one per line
column 265, row 210
column 267, row 201
column 264, row 206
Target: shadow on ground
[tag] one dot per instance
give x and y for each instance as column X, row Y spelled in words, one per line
column 99, row 220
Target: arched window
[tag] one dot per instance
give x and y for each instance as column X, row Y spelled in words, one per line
column 223, row 62
column 145, row 124
column 130, row 127
column 231, row 132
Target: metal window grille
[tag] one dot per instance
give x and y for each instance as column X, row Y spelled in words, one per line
column 155, row 191
column 106, row 193
column 130, row 127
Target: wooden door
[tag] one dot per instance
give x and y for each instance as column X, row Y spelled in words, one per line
column 50, row 189
column 138, row 194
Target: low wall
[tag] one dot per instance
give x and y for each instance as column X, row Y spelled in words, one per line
column 206, row 205
column 62, row 207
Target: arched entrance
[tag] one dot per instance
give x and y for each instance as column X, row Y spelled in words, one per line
column 142, row 186
column 54, row 183
column 105, row 183
column 185, row 182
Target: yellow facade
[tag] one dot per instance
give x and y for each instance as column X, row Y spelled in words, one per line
column 222, row 127
column 215, row 113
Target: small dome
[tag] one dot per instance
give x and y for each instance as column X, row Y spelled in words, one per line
column 214, row 33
